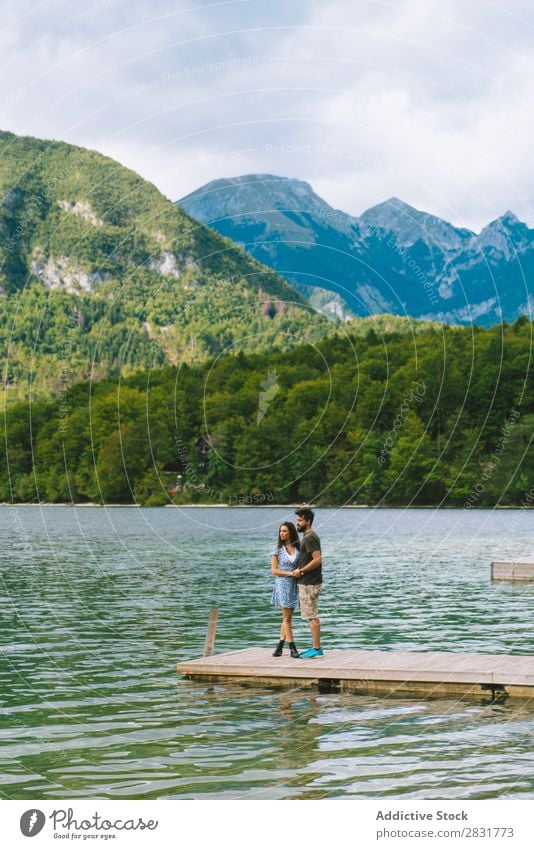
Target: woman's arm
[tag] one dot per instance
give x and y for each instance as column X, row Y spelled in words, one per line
column 276, row 571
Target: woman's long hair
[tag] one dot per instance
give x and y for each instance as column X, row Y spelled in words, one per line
column 293, row 535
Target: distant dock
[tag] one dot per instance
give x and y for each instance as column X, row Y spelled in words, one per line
column 513, row 570
column 395, row 672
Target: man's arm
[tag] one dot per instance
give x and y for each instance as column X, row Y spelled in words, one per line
column 313, row 564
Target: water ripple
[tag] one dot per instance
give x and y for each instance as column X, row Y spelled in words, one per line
column 98, row 605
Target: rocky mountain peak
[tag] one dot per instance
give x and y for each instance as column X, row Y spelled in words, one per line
column 506, row 236
column 411, row 225
column 250, row 194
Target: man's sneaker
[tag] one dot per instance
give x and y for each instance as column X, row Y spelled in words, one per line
column 312, row 653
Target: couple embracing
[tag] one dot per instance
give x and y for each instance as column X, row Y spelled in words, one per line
column 297, row 566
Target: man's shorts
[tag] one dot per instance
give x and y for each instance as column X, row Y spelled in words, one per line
column 308, row 595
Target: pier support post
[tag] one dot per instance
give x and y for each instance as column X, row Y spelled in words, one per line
column 209, row 645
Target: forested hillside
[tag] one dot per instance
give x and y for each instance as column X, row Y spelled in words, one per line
column 444, row 416
column 101, row 274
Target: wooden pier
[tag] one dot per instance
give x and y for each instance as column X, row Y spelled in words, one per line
column 429, row 673
column 512, row 570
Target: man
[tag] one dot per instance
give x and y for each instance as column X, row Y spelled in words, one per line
column 308, row 573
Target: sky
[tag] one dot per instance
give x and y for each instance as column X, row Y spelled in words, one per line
column 426, row 100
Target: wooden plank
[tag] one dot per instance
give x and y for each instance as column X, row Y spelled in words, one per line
column 512, row 570
column 502, row 572
column 413, row 688
column 209, row 645
column 365, row 670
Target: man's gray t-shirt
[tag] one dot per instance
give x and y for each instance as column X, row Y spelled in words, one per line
column 309, row 542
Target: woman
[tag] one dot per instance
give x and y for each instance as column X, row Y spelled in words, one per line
column 285, row 591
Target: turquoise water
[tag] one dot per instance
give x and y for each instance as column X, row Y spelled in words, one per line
column 98, row 605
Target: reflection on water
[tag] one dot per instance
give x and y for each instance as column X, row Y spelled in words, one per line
column 98, row 605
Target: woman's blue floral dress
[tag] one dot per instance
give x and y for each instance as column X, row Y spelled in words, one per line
column 285, row 590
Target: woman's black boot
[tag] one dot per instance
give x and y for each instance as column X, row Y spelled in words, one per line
column 278, row 650
column 293, row 650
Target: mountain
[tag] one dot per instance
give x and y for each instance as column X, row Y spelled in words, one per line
column 392, row 259
column 284, row 224
column 101, row 274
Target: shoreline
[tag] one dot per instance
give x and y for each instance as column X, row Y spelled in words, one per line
column 86, row 505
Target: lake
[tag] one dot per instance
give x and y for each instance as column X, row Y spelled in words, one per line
column 98, row 605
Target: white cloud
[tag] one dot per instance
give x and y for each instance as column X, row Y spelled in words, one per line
column 427, row 101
